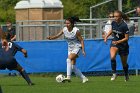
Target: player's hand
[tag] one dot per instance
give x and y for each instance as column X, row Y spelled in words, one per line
column 105, row 39
column 25, row 55
column 84, row 53
column 115, row 42
column 50, row 37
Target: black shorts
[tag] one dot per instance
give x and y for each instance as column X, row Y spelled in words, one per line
column 123, row 48
column 11, row 65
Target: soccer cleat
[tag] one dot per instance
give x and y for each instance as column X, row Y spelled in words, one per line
column 126, row 78
column 85, row 80
column 67, row 79
column 114, row 76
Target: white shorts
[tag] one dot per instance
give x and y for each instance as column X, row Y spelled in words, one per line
column 74, row 50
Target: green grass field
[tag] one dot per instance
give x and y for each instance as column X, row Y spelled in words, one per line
column 96, row 84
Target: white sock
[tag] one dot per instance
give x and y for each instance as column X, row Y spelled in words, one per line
column 69, row 68
column 77, row 72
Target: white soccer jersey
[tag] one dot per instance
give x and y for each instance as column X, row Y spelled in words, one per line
column 71, row 38
column 108, row 27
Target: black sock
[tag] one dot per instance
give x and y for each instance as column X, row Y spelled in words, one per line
column 125, row 68
column 113, row 65
column 25, row 76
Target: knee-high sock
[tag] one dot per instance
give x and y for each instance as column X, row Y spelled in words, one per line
column 113, row 65
column 69, row 68
column 25, row 76
column 77, row 72
column 125, row 68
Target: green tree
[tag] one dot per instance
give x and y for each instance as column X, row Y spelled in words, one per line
column 7, row 11
column 79, row 8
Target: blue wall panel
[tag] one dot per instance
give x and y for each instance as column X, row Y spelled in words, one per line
column 50, row 56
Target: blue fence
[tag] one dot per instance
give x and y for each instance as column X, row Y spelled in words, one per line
column 50, row 56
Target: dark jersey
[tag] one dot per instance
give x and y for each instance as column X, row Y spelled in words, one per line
column 119, row 30
column 13, row 48
column 11, row 33
column 7, row 56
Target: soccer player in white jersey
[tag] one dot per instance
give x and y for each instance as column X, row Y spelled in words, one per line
column 108, row 26
column 75, row 45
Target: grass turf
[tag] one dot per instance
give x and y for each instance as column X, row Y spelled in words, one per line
column 96, row 84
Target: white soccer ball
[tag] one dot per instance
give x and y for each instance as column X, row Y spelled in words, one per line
column 60, row 78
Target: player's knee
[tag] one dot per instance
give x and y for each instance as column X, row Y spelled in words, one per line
column 68, row 60
column 72, row 56
column 113, row 58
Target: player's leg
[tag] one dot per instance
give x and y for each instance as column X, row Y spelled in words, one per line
column 78, row 72
column 24, row 74
column 125, row 66
column 69, row 70
column 15, row 66
column 69, row 65
column 123, row 52
column 113, row 52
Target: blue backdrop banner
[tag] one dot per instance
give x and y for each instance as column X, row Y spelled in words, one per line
column 50, row 56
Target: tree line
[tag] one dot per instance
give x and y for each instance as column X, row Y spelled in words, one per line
column 79, row 8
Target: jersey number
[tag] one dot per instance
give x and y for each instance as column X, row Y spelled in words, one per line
column 10, row 44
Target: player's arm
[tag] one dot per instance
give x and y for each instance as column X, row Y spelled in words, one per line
column 14, row 38
column 78, row 34
column 103, row 34
column 18, row 48
column 122, row 40
column 55, row 36
column 108, row 34
column 13, row 34
column 24, row 52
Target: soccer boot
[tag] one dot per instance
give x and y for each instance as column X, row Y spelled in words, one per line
column 85, row 80
column 114, row 76
column 126, row 78
column 67, row 79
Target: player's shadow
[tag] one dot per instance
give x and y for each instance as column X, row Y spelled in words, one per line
column 1, row 90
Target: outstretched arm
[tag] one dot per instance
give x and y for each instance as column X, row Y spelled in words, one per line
column 55, row 36
column 82, row 42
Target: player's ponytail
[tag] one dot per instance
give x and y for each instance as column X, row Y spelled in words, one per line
column 75, row 19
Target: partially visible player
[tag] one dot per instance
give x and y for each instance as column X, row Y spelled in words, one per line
column 119, row 44
column 11, row 31
column 75, row 45
column 7, row 59
column 108, row 26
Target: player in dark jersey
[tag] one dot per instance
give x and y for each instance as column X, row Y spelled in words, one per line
column 7, row 59
column 11, row 31
column 119, row 44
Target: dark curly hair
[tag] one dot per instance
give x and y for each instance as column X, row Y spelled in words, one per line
column 4, row 35
column 73, row 20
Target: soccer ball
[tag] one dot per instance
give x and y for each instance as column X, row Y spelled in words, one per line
column 60, row 78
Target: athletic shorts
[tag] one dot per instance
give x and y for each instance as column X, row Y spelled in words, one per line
column 123, row 48
column 74, row 50
column 11, row 65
